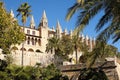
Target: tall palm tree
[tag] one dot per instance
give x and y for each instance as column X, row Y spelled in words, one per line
column 54, row 47
column 89, row 8
column 77, row 43
column 53, row 44
column 66, row 46
column 62, row 47
column 24, row 11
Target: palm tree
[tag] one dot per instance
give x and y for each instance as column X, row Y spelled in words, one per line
column 75, row 42
column 24, row 11
column 62, row 47
column 78, row 45
column 54, row 47
column 89, row 8
column 66, row 47
column 53, row 44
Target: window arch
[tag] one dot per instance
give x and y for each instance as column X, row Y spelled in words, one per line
column 39, row 51
column 14, row 48
column 32, row 41
column 23, row 49
column 35, row 41
column 28, row 40
column 39, row 42
column 31, row 50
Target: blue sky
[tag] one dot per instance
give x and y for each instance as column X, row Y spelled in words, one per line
column 55, row 10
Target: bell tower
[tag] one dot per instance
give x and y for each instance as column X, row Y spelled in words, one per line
column 43, row 31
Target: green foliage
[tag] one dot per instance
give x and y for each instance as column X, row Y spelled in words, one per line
column 53, row 43
column 78, row 45
column 65, row 46
column 3, row 76
column 3, row 65
column 24, row 11
column 50, row 73
column 14, row 72
column 9, row 30
column 9, row 59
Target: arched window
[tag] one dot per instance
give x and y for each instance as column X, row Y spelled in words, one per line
column 23, row 49
column 28, row 41
column 33, row 41
column 39, row 42
column 39, row 51
column 31, row 50
column 14, row 48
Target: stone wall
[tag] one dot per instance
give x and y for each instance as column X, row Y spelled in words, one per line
column 31, row 58
column 108, row 67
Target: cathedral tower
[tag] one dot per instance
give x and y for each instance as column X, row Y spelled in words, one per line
column 43, row 31
column 58, row 30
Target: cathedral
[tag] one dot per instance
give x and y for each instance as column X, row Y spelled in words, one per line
column 36, row 40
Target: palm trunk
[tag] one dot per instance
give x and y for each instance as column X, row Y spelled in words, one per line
column 22, row 49
column 76, row 54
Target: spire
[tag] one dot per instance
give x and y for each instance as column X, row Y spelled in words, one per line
column 44, row 15
column 32, row 23
column 44, row 18
column 66, row 32
column 44, row 21
column 58, row 30
column 11, row 13
column 59, row 26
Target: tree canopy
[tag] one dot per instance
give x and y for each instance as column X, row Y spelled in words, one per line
column 10, row 32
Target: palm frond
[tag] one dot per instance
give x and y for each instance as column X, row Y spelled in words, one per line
column 86, row 15
column 72, row 10
column 116, row 37
column 105, row 19
column 105, row 34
